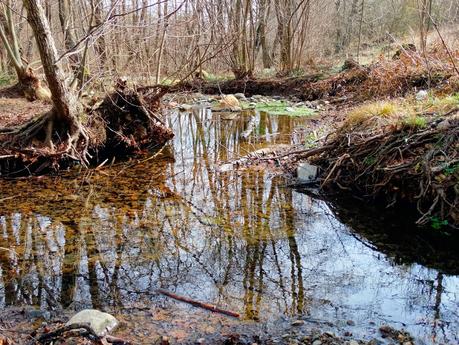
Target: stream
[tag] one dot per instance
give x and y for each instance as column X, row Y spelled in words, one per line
column 244, row 240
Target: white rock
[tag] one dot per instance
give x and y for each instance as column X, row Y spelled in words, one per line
column 101, row 323
column 422, row 95
column 306, row 172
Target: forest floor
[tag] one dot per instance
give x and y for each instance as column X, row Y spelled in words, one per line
column 16, row 110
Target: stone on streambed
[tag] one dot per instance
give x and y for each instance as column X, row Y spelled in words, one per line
column 101, row 323
column 240, row 96
column 228, row 103
column 306, row 172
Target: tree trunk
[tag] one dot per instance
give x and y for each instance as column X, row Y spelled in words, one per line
column 28, row 83
column 69, row 39
column 66, row 107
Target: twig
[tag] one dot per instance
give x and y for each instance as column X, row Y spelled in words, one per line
column 115, row 340
column 198, row 304
column 47, row 337
column 302, row 154
column 444, row 44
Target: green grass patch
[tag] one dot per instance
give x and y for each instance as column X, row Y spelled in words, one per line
column 415, row 121
column 438, row 105
column 217, row 77
column 5, row 79
column 280, row 108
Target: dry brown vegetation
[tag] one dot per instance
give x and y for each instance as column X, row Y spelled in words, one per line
column 401, row 162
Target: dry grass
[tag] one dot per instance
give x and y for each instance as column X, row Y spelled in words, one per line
column 387, row 77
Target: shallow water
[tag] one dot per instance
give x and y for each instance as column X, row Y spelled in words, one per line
column 243, row 240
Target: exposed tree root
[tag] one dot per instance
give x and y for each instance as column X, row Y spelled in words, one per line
column 124, row 123
column 405, row 165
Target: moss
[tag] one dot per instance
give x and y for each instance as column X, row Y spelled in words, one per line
column 415, row 121
column 5, row 79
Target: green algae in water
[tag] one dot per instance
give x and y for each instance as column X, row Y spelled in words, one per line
column 281, row 108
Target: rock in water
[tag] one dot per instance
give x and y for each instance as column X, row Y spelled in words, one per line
column 306, row 172
column 229, row 101
column 101, row 323
column 240, row 96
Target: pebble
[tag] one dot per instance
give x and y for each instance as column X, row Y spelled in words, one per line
column 201, row 341
column 298, row 323
column 317, row 342
column 350, row 323
column 353, row 342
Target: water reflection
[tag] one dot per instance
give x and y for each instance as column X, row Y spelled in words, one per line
column 241, row 239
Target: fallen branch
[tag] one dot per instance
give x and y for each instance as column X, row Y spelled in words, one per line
column 88, row 332
column 51, row 336
column 198, row 304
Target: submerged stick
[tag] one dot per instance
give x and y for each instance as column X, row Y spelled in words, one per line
column 198, row 304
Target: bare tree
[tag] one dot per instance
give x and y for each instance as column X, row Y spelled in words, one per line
column 28, row 83
column 67, row 111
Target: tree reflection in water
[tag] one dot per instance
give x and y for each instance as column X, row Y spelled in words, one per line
column 240, row 239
